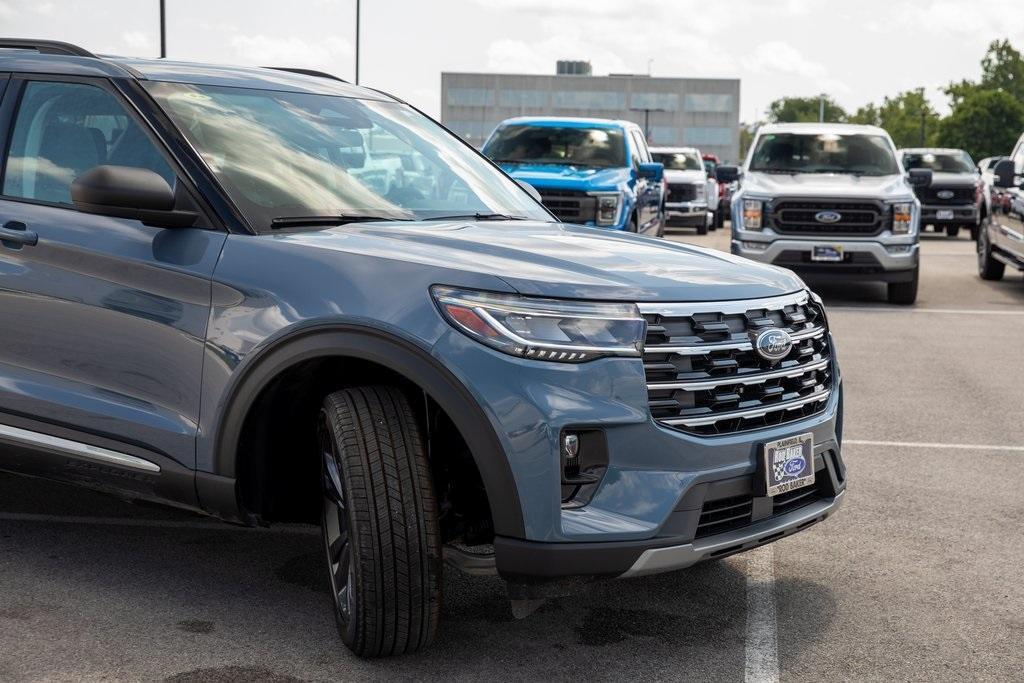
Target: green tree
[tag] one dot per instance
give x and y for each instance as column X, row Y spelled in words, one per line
column 985, row 123
column 804, row 109
column 1002, row 68
column 746, row 138
column 908, row 117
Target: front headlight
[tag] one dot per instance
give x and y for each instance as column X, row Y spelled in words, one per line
column 700, row 193
column 752, row 214
column 607, row 208
column 544, row 329
column 902, row 218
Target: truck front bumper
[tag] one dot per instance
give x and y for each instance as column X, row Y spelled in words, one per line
column 963, row 214
column 862, row 260
column 686, row 214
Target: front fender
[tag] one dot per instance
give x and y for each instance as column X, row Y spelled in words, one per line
column 361, row 341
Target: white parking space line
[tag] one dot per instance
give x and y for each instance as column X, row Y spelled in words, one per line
column 154, row 523
column 898, row 309
column 922, row 444
column 762, row 644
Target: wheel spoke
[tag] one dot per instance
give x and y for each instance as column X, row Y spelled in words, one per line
column 339, row 547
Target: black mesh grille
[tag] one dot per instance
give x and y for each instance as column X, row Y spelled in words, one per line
column 704, row 376
column 937, row 194
column 570, row 206
column 854, row 218
column 681, row 192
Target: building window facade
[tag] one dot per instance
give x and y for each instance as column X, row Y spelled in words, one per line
column 708, row 103
column 708, row 135
column 471, row 97
column 663, row 101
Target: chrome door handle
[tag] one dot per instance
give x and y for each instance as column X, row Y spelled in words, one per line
column 15, row 233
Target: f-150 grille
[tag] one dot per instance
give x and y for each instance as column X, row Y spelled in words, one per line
column 704, row 375
column 807, row 217
column 936, row 194
column 681, row 192
column 570, row 206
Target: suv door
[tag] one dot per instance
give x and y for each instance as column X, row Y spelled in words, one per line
column 103, row 319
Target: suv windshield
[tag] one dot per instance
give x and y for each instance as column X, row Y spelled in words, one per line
column 824, row 153
column 953, row 161
column 595, row 147
column 679, row 161
column 285, row 156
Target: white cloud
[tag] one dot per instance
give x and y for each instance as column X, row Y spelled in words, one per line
column 137, row 40
column 290, row 51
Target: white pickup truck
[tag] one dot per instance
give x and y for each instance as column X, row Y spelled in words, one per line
column 829, row 201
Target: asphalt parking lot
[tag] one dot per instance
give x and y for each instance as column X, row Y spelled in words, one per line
column 918, row 577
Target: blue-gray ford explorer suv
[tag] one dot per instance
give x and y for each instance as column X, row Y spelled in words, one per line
column 272, row 296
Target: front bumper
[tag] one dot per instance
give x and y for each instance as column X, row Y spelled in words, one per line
column 962, row 214
column 866, row 260
column 687, row 214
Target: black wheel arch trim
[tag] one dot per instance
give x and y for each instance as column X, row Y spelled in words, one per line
column 373, row 344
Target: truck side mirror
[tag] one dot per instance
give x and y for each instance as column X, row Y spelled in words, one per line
column 653, row 170
column 1004, row 174
column 920, row 177
column 727, row 174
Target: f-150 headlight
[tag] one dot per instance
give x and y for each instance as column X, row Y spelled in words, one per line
column 902, row 218
column 607, row 208
column 544, row 329
column 752, row 213
column 700, row 191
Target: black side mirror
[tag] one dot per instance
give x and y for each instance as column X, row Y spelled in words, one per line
column 531, row 190
column 920, row 177
column 1004, row 174
column 129, row 192
column 727, row 174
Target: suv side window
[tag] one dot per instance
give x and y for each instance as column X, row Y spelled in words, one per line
column 62, row 130
column 641, row 146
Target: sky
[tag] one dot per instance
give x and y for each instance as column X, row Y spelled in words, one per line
column 856, row 51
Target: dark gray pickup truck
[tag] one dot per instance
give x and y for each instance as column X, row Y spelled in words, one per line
column 953, row 200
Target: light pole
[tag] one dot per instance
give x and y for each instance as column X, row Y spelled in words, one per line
column 647, row 118
column 163, row 31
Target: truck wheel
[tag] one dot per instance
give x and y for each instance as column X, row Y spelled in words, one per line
column 631, row 226
column 380, row 533
column 719, row 218
column 702, row 229
column 952, row 230
column 904, row 293
column 988, row 267
column 975, row 231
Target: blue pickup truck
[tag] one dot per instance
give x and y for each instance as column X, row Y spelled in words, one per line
column 588, row 171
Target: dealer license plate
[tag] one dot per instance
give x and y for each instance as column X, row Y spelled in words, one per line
column 788, row 464
column 827, row 252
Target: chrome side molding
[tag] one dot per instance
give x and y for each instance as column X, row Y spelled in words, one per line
column 75, row 448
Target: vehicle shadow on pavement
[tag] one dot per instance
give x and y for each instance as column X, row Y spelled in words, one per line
column 219, row 603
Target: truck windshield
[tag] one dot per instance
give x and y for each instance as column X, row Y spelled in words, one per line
column 303, row 160
column 953, row 161
column 857, row 154
column 679, row 161
column 592, row 147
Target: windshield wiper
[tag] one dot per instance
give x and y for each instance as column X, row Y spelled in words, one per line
column 307, row 221
column 478, row 217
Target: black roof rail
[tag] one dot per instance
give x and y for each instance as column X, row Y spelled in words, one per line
column 307, row 72
column 45, row 47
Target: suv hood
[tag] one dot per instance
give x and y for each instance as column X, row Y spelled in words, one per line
column 825, row 184
column 568, row 177
column 675, row 176
column 556, row 260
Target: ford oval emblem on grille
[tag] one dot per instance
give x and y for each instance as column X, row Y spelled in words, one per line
column 944, row 194
column 828, row 216
column 773, row 344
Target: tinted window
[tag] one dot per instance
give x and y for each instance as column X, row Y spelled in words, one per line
column 824, row 153
column 679, row 161
column 600, row 147
column 940, row 162
column 63, row 130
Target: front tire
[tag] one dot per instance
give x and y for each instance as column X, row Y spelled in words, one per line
column 380, row 533
column 988, row 267
column 952, row 230
column 904, row 293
